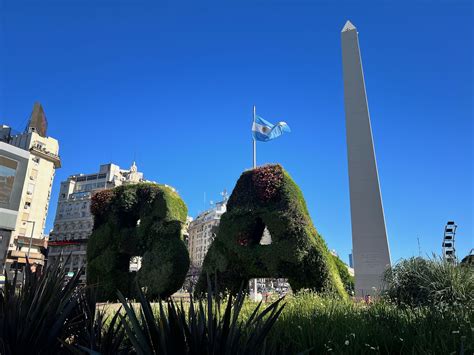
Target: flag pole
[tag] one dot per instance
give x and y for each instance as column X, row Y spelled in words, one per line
column 254, row 166
column 254, row 142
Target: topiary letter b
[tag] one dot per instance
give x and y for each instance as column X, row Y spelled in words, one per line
column 137, row 220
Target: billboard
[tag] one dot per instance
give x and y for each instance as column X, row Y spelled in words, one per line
column 13, row 167
column 7, row 177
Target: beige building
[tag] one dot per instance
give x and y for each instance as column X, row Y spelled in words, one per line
column 28, row 162
column 202, row 232
column 74, row 222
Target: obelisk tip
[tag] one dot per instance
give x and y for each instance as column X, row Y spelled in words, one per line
column 348, row 27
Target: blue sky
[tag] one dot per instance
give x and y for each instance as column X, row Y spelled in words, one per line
column 172, row 85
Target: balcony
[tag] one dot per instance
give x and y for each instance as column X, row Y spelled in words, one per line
column 20, row 257
column 34, row 241
column 38, row 149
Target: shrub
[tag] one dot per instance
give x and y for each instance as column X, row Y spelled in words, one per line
column 425, row 282
column 468, row 260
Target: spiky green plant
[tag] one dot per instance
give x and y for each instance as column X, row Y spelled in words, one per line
column 38, row 313
column 200, row 328
column 101, row 332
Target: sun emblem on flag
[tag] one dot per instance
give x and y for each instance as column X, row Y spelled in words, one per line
column 265, row 129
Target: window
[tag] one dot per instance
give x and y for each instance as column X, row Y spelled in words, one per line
column 30, row 189
column 7, row 177
column 34, row 174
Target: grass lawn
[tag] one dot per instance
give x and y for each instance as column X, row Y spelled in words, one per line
column 315, row 324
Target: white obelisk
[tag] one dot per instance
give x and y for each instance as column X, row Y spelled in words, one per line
column 371, row 255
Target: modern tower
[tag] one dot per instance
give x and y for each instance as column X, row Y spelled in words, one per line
column 371, row 254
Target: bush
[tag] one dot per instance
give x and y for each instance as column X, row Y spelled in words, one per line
column 430, row 282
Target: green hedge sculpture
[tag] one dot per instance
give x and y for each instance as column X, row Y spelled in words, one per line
column 268, row 197
column 346, row 278
column 137, row 220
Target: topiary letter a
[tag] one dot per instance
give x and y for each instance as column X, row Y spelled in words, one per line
column 268, row 197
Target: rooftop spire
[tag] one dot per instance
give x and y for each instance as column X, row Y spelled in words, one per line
column 38, row 122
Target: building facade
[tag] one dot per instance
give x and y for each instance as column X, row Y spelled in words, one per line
column 202, row 232
column 74, row 221
column 28, row 162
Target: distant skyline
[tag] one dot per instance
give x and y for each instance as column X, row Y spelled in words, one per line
column 172, row 85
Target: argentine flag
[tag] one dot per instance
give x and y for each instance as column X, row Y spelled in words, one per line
column 265, row 131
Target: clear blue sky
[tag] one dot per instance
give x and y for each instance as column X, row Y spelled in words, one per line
column 172, row 83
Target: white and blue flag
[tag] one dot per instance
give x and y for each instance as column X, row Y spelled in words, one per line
column 265, row 131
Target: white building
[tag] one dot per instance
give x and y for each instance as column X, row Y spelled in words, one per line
column 74, row 222
column 202, row 232
column 27, row 166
